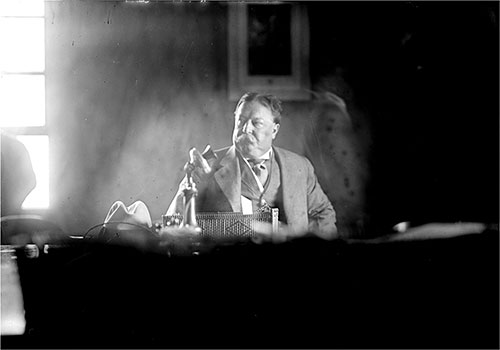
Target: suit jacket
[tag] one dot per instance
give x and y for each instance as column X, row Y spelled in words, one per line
column 306, row 207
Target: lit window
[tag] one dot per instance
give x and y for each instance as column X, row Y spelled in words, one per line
column 22, row 87
column 22, row 8
column 23, row 44
column 16, row 90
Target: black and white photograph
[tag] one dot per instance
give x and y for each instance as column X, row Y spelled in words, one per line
column 249, row 174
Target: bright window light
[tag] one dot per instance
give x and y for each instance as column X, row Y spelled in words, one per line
column 22, row 100
column 22, row 86
column 22, row 8
column 24, row 41
column 38, row 148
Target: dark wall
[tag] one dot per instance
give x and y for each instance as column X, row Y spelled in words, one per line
column 426, row 74
column 131, row 87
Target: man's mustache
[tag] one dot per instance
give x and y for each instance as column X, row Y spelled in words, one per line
column 246, row 138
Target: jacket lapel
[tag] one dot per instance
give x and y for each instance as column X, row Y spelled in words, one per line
column 228, row 177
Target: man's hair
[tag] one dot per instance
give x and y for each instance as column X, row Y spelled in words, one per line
column 267, row 100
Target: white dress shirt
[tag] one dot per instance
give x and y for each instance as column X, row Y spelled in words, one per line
column 246, row 204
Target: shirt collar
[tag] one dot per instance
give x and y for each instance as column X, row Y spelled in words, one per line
column 265, row 156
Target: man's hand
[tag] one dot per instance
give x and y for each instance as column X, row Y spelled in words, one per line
column 198, row 165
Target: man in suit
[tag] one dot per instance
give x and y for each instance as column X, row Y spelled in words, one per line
column 253, row 173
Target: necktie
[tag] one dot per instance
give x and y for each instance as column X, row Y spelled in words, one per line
column 260, row 169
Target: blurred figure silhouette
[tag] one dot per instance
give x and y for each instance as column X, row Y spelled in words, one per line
column 18, row 178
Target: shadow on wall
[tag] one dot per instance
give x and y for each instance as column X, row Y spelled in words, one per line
column 338, row 148
column 130, row 89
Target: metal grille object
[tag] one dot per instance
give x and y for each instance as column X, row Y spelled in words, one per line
column 227, row 225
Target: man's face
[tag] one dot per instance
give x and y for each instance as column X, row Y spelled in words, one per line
column 254, row 129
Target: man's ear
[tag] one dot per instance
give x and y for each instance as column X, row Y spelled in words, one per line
column 276, row 128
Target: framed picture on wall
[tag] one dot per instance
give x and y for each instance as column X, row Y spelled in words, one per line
column 269, row 50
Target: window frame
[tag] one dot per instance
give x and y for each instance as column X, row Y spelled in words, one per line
column 32, row 130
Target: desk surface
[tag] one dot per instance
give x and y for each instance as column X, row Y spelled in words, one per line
column 306, row 293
